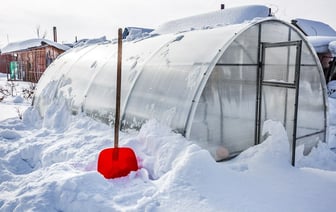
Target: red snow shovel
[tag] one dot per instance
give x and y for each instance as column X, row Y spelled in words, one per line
column 117, row 162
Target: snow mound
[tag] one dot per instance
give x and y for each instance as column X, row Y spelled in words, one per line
column 331, row 86
column 332, row 48
column 18, row 99
column 50, row 163
column 53, row 168
column 274, row 149
column 9, row 135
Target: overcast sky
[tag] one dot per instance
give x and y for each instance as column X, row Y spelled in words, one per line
column 20, row 19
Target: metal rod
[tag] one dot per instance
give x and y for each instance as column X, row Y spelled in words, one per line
column 311, row 134
column 258, row 90
column 261, row 80
column 279, row 84
column 280, row 44
column 287, row 78
column 118, row 90
column 236, row 64
column 297, row 82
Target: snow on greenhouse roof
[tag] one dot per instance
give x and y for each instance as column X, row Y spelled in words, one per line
column 132, row 33
column 224, row 17
column 31, row 43
column 86, row 42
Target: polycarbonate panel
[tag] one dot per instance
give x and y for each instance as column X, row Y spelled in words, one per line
column 100, row 97
column 280, row 63
column 244, row 49
column 168, row 83
column 85, row 70
column 54, row 78
column 311, row 105
column 225, row 116
column 278, row 104
column 307, row 55
column 274, row 32
column 62, row 65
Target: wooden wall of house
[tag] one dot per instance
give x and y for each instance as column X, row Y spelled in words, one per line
column 4, row 62
column 31, row 62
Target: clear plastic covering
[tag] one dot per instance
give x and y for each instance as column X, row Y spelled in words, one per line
column 215, row 86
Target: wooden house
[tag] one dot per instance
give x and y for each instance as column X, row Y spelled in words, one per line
column 27, row 60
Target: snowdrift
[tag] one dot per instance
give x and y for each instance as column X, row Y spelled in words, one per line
column 50, row 165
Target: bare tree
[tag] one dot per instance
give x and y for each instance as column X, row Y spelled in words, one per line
column 38, row 31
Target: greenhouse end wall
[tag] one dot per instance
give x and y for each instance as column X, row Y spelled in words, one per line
column 227, row 115
column 215, row 86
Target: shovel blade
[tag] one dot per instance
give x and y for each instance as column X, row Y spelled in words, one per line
column 116, row 162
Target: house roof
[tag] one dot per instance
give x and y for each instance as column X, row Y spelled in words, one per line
column 31, row 43
column 314, row 28
column 319, row 34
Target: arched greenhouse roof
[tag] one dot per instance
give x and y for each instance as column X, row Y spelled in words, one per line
column 216, row 86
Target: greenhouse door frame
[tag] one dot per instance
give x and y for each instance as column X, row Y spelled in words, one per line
column 261, row 82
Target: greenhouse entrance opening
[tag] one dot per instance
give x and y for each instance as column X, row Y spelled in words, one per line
column 278, row 88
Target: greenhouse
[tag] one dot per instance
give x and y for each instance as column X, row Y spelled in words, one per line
column 216, row 86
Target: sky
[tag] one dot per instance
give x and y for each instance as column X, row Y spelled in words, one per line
column 21, row 19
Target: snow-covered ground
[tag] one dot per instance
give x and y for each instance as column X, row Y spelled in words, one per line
column 50, row 165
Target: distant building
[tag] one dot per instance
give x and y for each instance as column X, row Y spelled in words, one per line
column 27, row 60
column 323, row 38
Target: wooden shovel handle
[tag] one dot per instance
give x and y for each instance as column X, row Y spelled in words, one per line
column 118, row 90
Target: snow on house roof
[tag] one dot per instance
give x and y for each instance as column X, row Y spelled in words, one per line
column 224, row 17
column 321, row 43
column 332, row 48
column 31, row 43
column 319, row 34
column 314, row 28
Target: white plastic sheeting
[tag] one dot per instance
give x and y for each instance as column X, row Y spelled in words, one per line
column 202, row 83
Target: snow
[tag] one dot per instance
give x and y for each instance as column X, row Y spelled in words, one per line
column 319, row 34
column 224, row 17
column 133, row 33
column 86, row 42
column 14, row 103
column 31, row 43
column 321, row 43
column 332, row 89
column 332, row 48
column 50, row 165
column 315, row 28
